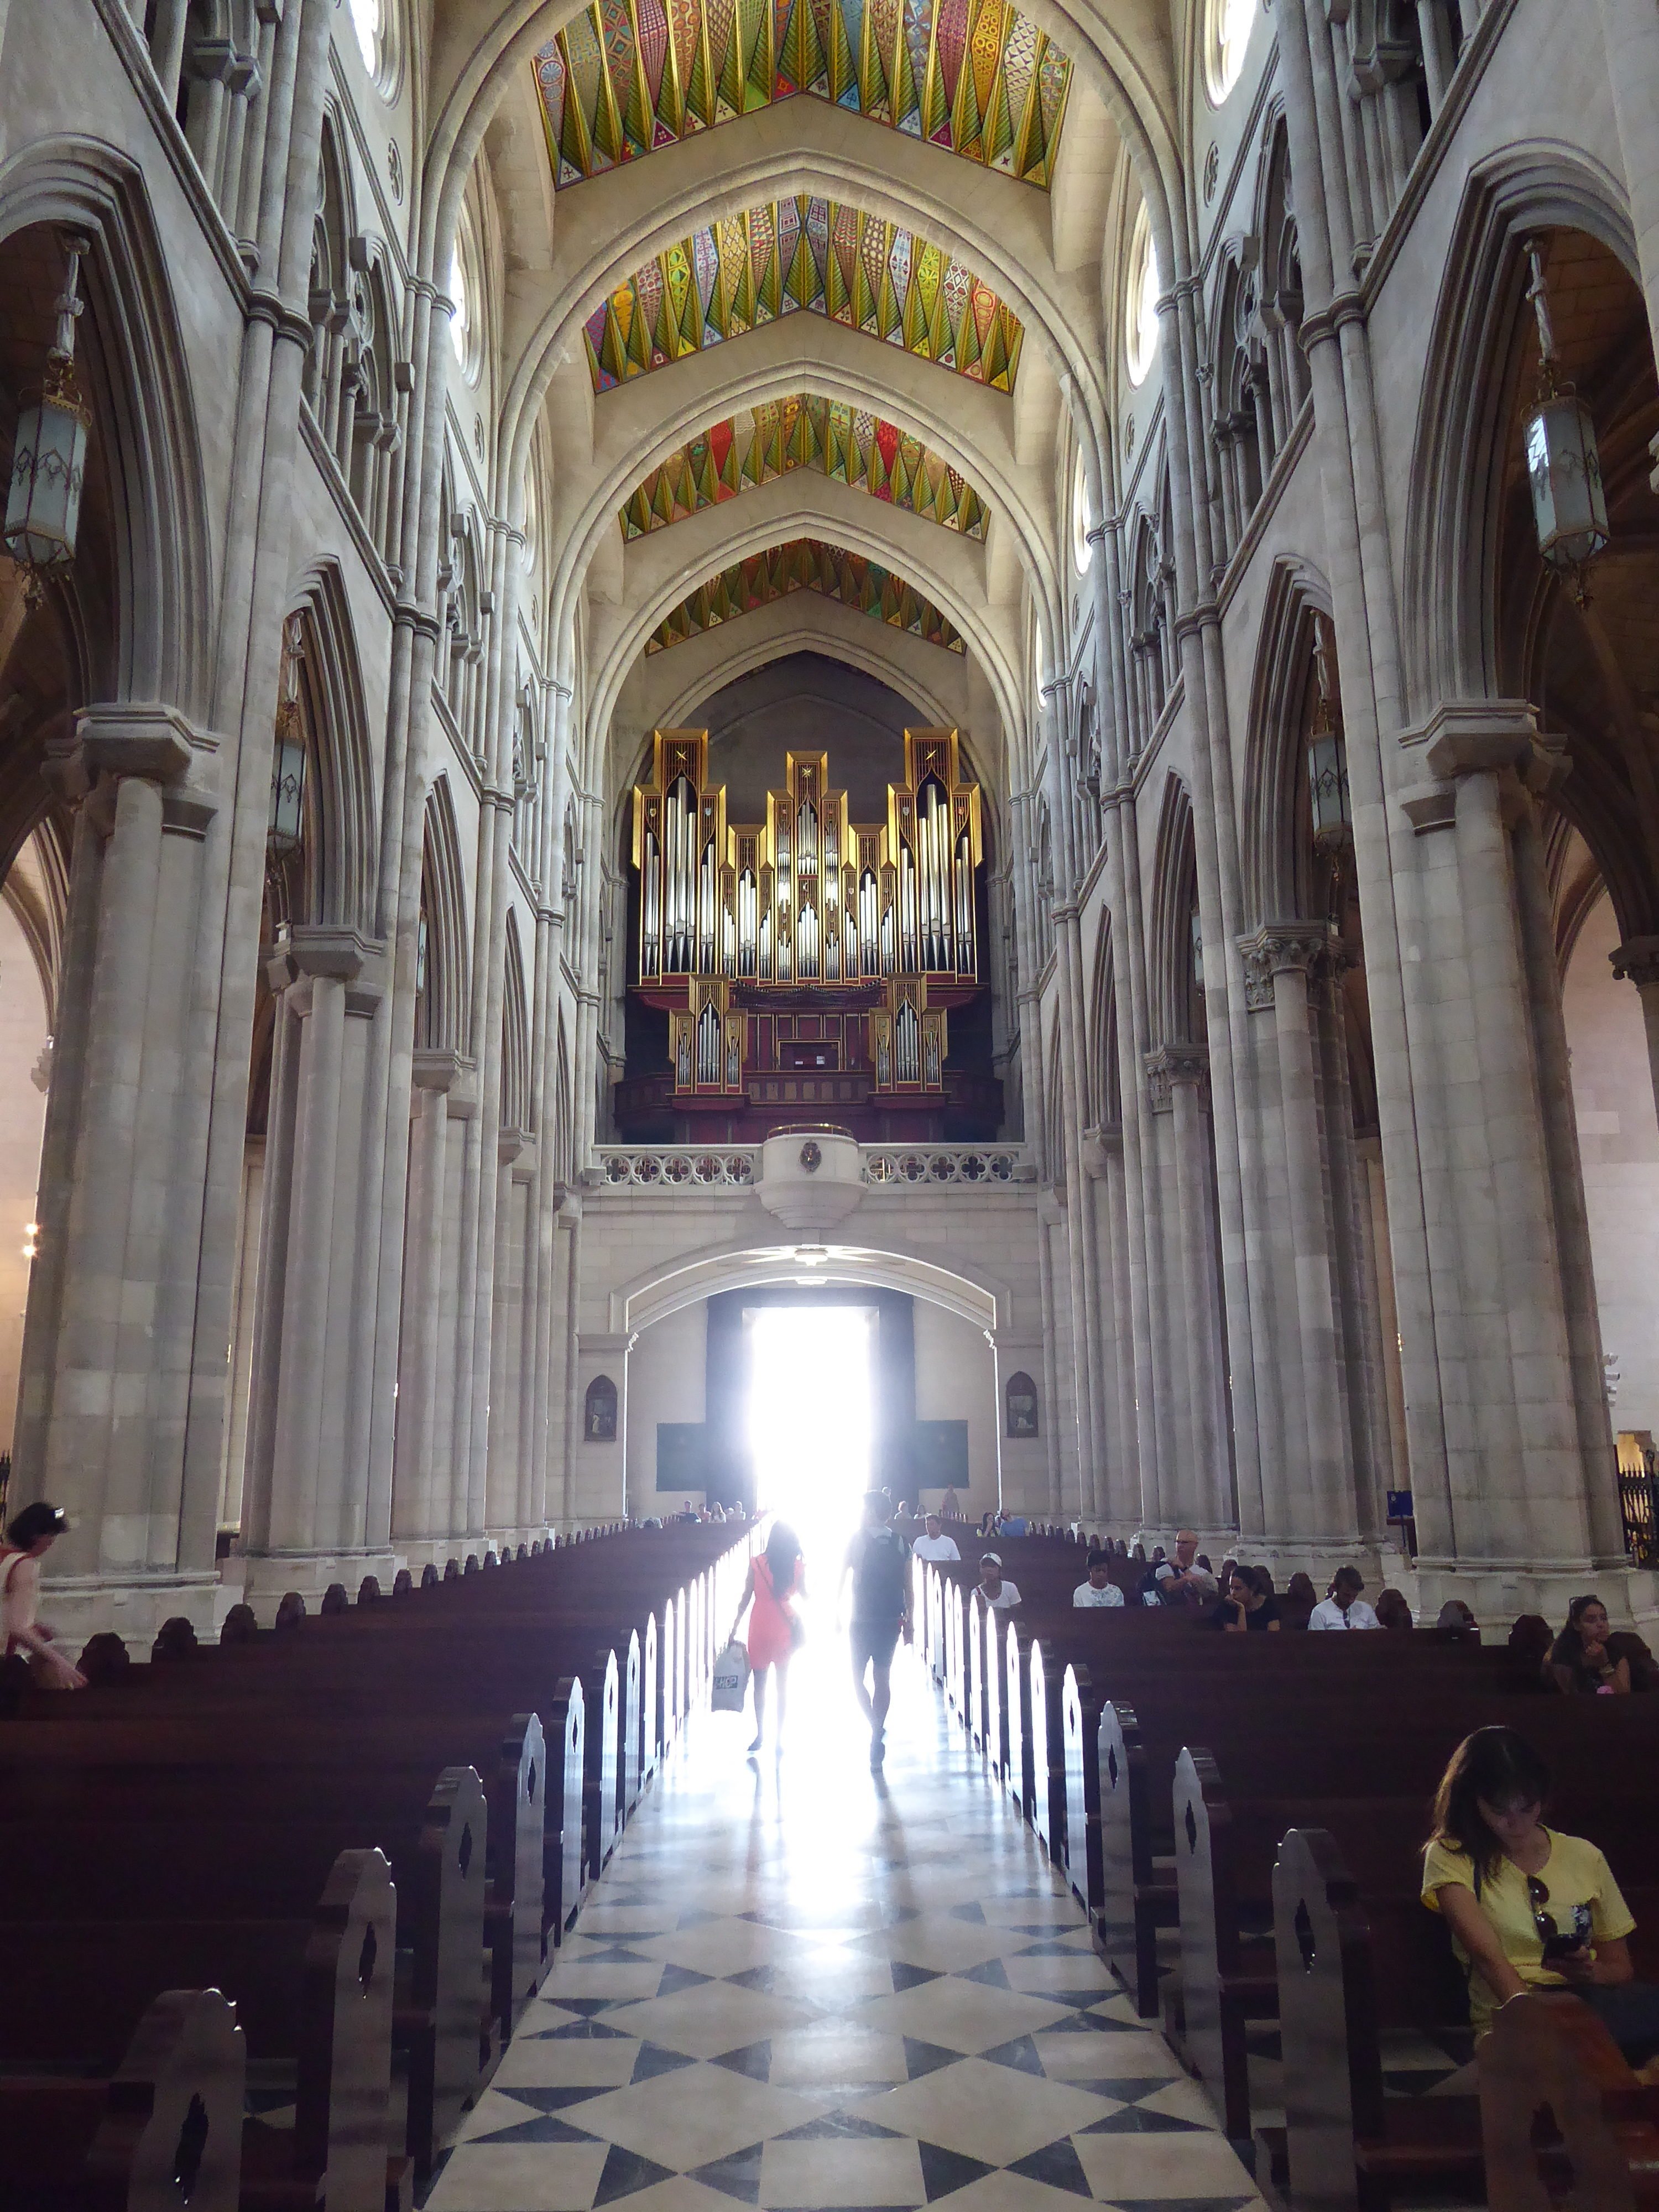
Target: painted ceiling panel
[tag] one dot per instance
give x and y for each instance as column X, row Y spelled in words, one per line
column 805, row 564
column 805, row 432
column 804, row 254
column 974, row 77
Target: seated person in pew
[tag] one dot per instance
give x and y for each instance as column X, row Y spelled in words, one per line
column 1100, row 1588
column 1393, row 1611
column 998, row 1592
column 933, row 1543
column 1342, row 1607
column 30, row 1536
column 1183, row 1581
column 1588, row 1659
column 1246, row 1604
column 1296, row 1606
column 1528, row 1907
column 1456, row 1622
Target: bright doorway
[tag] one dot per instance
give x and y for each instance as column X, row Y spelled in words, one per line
column 810, row 1422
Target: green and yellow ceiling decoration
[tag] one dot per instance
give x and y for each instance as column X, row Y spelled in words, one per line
column 805, row 564
column 811, row 255
column 974, row 77
column 805, row 432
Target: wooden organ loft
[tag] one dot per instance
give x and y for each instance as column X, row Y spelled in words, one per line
column 807, row 966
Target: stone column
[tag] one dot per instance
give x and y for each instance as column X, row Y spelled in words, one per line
column 1631, row 31
column 1178, row 1081
column 307, row 1523
column 105, row 1358
column 1280, row 961
column 420, row 1515
column 1636, row 961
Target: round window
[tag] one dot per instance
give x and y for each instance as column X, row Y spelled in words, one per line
column 1227, row 33
column 1140, row 333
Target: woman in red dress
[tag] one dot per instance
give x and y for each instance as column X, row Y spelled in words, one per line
column 775, row 1577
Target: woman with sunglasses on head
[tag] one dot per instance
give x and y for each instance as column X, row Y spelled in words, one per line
column 1528, row 1907
column 1582, row 1660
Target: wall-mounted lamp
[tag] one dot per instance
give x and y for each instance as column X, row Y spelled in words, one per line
column 49, row 455
column 1569, row 501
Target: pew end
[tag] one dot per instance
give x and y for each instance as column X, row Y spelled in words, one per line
column 1564, row 2121
column 166, row 2127
column 1345, row 2140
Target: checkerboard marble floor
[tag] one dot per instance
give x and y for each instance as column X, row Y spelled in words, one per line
column 806, row 1988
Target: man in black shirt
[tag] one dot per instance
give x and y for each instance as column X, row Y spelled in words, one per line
column 879, row 1561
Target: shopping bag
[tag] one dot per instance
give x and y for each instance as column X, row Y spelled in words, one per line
column 731, row 1679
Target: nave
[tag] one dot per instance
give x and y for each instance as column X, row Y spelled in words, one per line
column 807, row 1988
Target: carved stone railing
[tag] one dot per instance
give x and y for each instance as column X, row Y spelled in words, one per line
column 890, row 1166
column 674, row 1167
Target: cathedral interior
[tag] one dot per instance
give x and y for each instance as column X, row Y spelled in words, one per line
column 976, row 664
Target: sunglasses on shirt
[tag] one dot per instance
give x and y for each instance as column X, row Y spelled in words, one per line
column 1556, row 1945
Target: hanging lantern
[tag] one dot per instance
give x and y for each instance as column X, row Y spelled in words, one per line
column 285, row 826
column 49, row 455
column 1569, row 500
column 1327, row 758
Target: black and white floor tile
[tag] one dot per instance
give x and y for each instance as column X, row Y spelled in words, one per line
column 803, row 1988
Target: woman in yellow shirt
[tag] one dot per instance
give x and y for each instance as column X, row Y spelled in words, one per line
column 1528, row 1907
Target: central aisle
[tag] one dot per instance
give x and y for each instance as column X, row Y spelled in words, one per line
column 800, row 1985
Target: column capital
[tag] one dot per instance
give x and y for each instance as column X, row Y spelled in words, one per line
column 1636, row 961
column 314, row 948
column 1487, row 737
column 432, row 1070
column 1173, row 1066
column 1280, row 945
column 141, row 737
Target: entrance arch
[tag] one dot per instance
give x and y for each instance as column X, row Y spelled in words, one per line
column 969, row 1292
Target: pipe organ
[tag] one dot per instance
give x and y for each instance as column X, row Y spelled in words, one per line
column 808, row 960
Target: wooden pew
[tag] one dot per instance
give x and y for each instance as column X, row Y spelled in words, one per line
column 313, row 1998
column 165, row 2127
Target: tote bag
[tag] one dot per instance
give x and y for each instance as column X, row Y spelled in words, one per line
column 731, row 1679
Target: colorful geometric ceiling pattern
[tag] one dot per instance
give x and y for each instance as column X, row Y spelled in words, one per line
column 974, row 77
column 805, row 564
column 805, row 432
column 809, row 254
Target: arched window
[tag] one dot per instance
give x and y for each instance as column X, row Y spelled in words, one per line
column 466, row 321
column 1227, row 31
column 375, row 24
column 1140, row 333
column 1080, row 518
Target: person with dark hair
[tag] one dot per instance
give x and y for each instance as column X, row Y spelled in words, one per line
column 994, row 1586
column 1393, row 1610
column 776, row 1575
column 30, row 1536
column 878, row 1563
column 1529, row 1642
column 1244, row 1605
column 1100, row 1588
column 1342, row 1606
column 1528, row 1907
column 1457, row 1624
column 1581, row 1660
column 1296, row 1606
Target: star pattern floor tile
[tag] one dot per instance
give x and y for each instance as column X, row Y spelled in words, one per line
column 800, row 1987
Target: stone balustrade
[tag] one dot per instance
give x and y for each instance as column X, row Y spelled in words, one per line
column 727, row 1167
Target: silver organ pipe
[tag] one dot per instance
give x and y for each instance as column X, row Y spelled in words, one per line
column 748, row 924
column 869, row 923
column 964, row 907
column 708, row 1046
column 651, row 930
column 806, row 943
column 907, row 908
column 806, row 843
column 907, row 1044
column 887, row 961
column 707, row 896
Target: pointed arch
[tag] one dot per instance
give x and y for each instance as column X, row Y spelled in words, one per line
column 515, row 1036
column 443, row 977
column 1274, row 764
column 1177, row 996
column 1103, row 1099
column 341, row 874
column 1449, row 615
column 133, row 367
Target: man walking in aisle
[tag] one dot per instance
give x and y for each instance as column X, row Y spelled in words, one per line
column 879, row 1561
